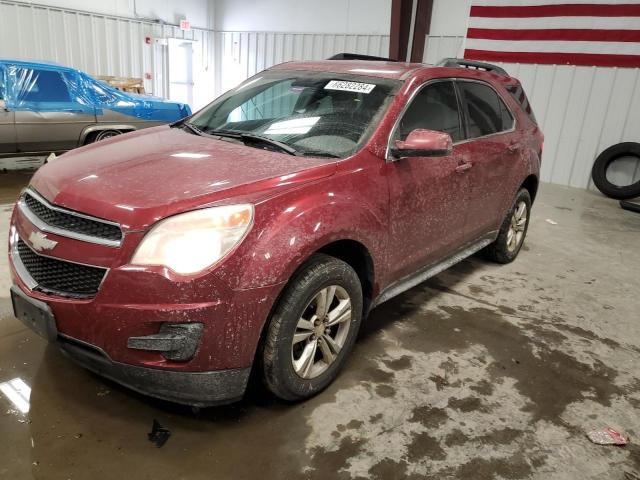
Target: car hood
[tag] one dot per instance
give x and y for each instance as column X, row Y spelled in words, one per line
column 138, row 178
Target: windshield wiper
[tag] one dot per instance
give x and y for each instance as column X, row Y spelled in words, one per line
column 282, row 146
column 192, row 128
column 319, row 153
column 251, row 137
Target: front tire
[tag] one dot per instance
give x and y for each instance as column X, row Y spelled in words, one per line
column 312, row 329
column 513, row 231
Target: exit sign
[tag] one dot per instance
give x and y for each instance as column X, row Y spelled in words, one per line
column 185, row 25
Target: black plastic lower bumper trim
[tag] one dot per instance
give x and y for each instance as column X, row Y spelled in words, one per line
column 198, row 389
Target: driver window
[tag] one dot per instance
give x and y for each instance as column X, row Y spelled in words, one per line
column 435, row 107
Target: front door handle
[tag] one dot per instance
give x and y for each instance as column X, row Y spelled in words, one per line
column 463, row 167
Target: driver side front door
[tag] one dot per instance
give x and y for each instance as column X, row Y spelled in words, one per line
column 428, row 195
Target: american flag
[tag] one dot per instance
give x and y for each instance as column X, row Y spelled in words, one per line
column 569, row 32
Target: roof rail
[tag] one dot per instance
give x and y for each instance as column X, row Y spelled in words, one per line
column 472, row 64
column 357, row 56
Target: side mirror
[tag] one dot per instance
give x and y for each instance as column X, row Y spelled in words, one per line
column 423, row 143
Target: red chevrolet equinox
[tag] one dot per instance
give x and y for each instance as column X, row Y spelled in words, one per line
column 261, row 231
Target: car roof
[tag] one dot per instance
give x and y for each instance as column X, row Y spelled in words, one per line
column 34, row 63
column 403, row 70
column 381, row 69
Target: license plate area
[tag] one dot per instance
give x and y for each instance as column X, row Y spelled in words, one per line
column 34, row 314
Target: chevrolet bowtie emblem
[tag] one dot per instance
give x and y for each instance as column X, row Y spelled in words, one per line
column 39, row 241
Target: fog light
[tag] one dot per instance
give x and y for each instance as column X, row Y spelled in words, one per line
column 176, row 341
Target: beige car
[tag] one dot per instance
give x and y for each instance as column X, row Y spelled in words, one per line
column 48, row 108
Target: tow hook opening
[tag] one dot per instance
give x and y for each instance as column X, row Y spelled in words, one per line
column 175, row 341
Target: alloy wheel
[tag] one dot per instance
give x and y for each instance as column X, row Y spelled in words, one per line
column 515, row 235
column 106, row 134
column 321, row 332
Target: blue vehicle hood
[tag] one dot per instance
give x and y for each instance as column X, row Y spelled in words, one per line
column 142, row 106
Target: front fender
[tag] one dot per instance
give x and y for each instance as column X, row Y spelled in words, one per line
column 304, row 225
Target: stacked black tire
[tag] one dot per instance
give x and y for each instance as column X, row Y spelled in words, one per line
column 604, row 161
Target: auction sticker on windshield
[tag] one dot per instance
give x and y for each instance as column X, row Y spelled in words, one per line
column 349, row 86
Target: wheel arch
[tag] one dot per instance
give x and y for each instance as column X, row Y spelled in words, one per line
column 88, row 131
column 531, row 183
column 358, row 257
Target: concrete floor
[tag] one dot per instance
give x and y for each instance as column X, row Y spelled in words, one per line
column 486, row 371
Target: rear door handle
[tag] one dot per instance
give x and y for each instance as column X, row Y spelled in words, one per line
column 463, row 167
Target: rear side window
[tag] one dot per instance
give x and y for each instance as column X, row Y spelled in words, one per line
column 517, row 92
column 486, row 112
column 435, row 107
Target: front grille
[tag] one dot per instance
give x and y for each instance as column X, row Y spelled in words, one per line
column 60, row 277
column 72, row 222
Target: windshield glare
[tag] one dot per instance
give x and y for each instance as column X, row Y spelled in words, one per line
column 316, row 113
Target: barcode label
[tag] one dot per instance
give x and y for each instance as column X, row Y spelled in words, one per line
column 349, row 86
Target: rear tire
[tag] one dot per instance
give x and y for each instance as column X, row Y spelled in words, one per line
column 513, row 230
column 308, row 339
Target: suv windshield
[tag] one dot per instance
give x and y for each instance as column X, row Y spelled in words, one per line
column 313, row 113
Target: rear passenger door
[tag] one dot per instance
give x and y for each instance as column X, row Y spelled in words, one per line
column 50, row 111
column 491, row 149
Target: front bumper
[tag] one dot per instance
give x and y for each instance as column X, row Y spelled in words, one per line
column 107, row 333
column 199, row 389
column 137, row 303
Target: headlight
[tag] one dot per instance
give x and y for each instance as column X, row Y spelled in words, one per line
column 190, row 242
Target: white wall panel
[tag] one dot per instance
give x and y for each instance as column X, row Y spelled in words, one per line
column 95, row 43
column 437, row 47
column 243, row 54
column 449, row 17
column 168, row 11
column 371, row 17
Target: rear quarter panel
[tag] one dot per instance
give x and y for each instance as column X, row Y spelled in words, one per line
column 530, row 137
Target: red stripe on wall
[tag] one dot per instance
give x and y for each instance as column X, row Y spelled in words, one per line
column 585, row 59
column 577, row 34
column 558, row 10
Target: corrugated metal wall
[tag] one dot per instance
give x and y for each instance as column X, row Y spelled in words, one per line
column 437, row 48
column 107, row 45
column 97, row 44
column 243, row 54
column 582, row 111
